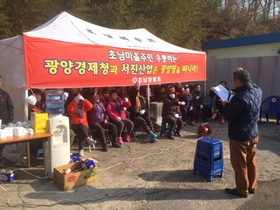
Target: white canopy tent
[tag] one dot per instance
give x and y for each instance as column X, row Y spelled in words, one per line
column 66, row 36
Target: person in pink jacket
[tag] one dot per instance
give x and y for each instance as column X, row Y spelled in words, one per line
column 116, row 110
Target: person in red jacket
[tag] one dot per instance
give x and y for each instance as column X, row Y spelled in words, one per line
column 116, row 110
column 78, row 120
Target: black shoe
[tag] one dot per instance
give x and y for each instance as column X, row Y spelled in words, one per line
column 105, row 148
column 117, row 145
column 235, row 192
column 251, row 191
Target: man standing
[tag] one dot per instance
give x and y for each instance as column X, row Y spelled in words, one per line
column 6, row 106
column 242, row 113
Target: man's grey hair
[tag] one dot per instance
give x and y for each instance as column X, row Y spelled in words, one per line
column 242, row 75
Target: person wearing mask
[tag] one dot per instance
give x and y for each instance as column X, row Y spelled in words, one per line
column 116, row 110
column 171, row 113
column 242, row 113
column 77, row 110
column 199, row 106
column 39, row 106
column 6, row 106
column 188, row 107
column 218, row 102
column 98, row 120
column 139, row 113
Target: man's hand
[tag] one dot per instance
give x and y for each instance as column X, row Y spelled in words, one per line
column 225, row 102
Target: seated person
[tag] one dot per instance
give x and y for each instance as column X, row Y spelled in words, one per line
column 178, row 87
column 161, row 94
column 78, row 119
column 188, row 107
column 198, row 101
column 171, row 113
column 39, row 106
column 98, row 120
column 218, row 102
column 191, row 86
column 139, row 113
column 116, row 110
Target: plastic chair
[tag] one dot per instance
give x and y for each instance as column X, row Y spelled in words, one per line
column 210, row 102
column 40, row 151
column 165, row 129
column 273, row 103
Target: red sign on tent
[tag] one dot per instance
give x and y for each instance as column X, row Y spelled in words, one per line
column 57, row 64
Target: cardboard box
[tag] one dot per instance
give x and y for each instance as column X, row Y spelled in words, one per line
column 39, row 122
column 74, row 179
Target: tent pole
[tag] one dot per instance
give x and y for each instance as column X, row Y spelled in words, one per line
column 148, row 99
column 26, row 106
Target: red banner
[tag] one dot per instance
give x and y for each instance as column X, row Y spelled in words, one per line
column 57, row 64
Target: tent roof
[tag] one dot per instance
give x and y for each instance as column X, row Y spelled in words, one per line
column 67, row 28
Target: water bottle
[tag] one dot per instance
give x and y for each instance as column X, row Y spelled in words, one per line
column 55, row 102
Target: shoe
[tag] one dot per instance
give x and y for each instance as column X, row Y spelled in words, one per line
column 235, row 192
column 222, row 121
column 117, row 145
column 214, row 116
column 81, row 153
column 171, row 137
column 192, row 123
column 127, row 138
column 153, row 134
column 179, row 134
column 153, row 137
column 105, row 148
column 184, row 123
column 120, row 141
column 251, row 191
column 90, row 141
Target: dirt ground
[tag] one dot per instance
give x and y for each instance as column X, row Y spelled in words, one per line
column 145, row 175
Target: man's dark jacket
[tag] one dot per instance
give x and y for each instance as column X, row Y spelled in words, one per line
column 6, row 107
column 243, row 111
